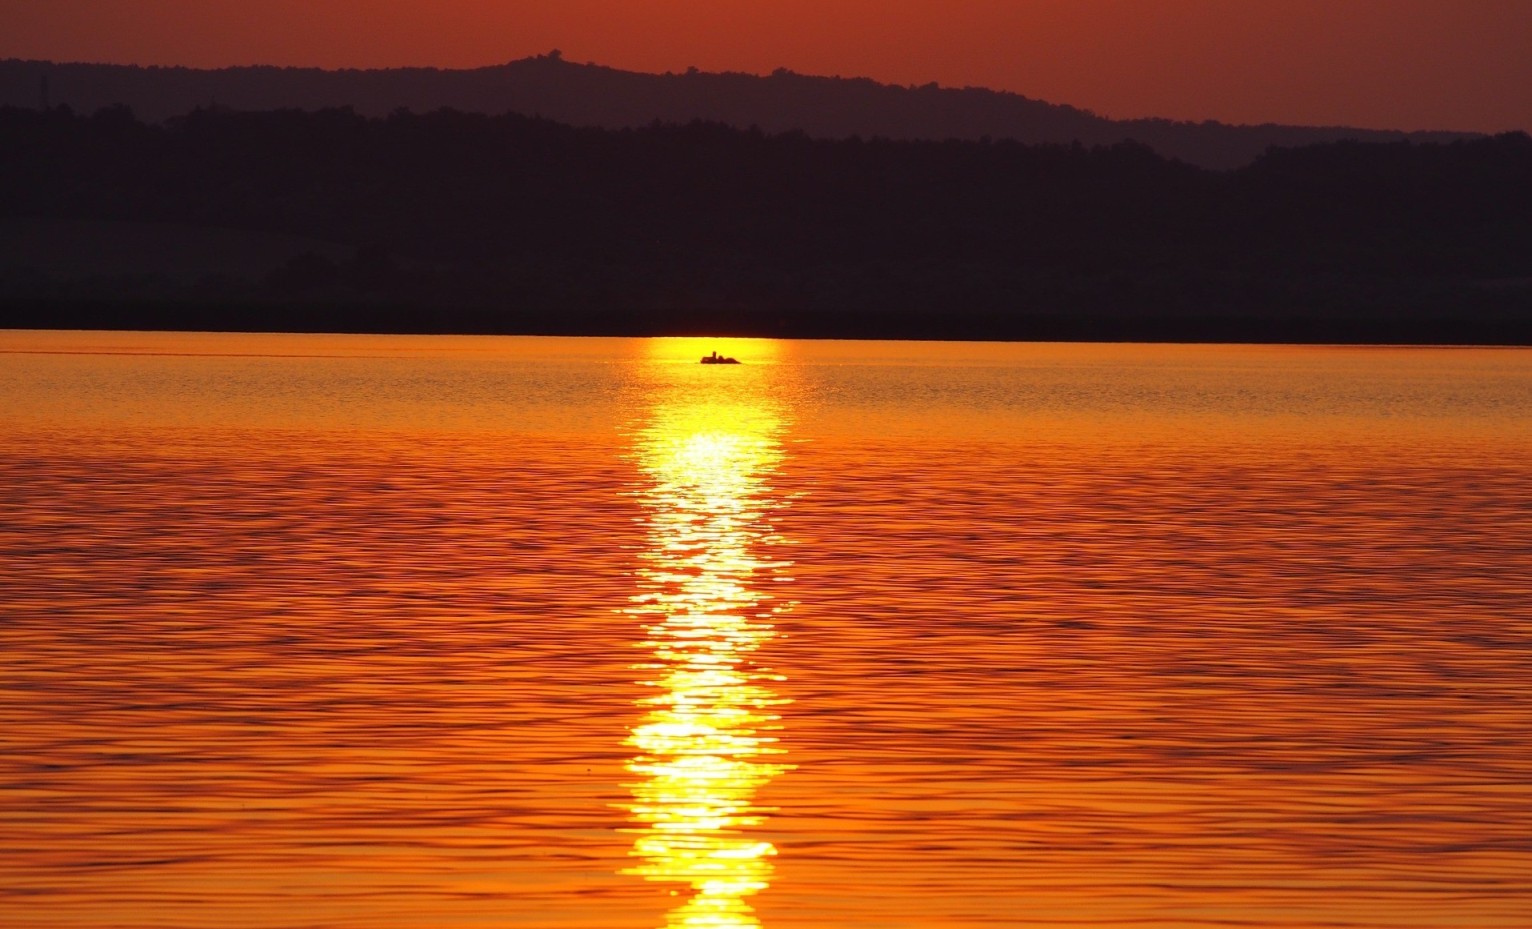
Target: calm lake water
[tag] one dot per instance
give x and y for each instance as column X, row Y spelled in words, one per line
column 351, row 631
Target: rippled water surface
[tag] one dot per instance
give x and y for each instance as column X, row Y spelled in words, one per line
column 347, row 631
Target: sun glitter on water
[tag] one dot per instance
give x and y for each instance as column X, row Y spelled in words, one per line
column 705, row 742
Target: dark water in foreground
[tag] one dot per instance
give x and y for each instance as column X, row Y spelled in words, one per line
column 306, row 631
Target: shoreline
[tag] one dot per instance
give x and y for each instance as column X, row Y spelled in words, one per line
column 1297, row 328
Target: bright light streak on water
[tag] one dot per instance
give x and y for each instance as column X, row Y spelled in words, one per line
column 707, row 740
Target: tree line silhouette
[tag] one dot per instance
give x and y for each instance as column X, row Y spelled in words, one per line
column 474, row 223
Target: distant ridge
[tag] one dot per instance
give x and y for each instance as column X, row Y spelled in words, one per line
column 593, row 95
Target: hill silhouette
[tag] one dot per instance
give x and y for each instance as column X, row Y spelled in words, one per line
column 596, row 96
column 459, row 222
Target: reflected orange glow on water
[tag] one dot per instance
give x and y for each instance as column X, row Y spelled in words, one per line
column 704, row 743
column 343, row 631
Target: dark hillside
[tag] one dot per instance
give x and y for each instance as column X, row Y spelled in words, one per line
column 462, row 222
column 590, row 95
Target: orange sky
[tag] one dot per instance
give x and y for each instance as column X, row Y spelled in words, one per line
column 1408, row 64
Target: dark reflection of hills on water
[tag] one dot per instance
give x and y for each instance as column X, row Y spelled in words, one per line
column 705, row 743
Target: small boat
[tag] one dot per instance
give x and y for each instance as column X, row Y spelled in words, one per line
column 717, row 359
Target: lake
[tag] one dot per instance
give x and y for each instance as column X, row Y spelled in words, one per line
column 365, row 631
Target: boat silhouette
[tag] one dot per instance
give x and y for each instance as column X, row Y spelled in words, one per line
column 717, row 359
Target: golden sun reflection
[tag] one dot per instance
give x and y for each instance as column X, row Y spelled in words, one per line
column 704, row 743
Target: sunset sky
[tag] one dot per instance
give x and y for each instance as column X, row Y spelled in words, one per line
column 1406, row 64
